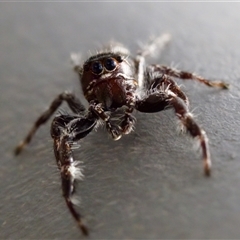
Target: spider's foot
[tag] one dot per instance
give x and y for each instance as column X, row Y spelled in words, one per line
column 19, row 148
column 115, row 131
column 127, row 129
column 116, row 135
column 220, row 84
column 83, row 228
column 128, row 125
column 207, row 168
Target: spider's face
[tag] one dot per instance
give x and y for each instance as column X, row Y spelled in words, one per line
column 105, row 78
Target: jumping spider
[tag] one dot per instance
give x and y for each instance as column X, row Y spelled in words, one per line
column 112, row 80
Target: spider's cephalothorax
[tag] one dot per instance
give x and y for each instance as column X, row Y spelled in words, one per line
column 108, row 78
column 112, row 80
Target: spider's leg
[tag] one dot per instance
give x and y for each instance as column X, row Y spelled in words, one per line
column 74, row 104
column 76, row 62
column 192, row 127
column 188, row 76
column 162, row 99
column 154, row 47
column 65, row 131
column 163, row 82
column 158, row 84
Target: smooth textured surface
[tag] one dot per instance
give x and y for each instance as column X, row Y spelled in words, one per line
column 149, row 184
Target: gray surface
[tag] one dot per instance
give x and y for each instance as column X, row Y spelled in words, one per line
column 150, row 183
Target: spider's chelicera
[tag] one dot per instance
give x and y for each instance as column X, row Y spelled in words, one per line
column 113, row 80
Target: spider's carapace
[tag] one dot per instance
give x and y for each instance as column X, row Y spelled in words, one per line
column 108, row 78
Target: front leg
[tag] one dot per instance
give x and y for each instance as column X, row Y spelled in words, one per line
column 65, row 131
column 155, row 97
column 161, row 100
column 193, row 128
column 74, row 104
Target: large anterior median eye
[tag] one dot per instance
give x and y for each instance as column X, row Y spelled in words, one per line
column 110, row 64
column 97, row 67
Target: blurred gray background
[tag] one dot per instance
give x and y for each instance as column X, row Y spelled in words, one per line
column 149, row 184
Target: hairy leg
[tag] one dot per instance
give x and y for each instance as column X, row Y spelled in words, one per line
column 154, row 47
column 76, row 59
column 161, row 99
column 65, row 131
column 154, row 99
column 74, row 104
column 188, row 76
column 193, row 128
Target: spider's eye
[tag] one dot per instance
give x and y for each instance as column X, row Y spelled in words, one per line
column 86, row 67
column 119, row 58
column 110, row 64
column 97, row 68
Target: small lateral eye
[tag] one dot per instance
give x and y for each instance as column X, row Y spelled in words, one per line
column 110, row 64
column 86, row 67
column 97, row 67
column 119, row 58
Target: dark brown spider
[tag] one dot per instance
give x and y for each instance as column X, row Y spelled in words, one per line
column 112, row 80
